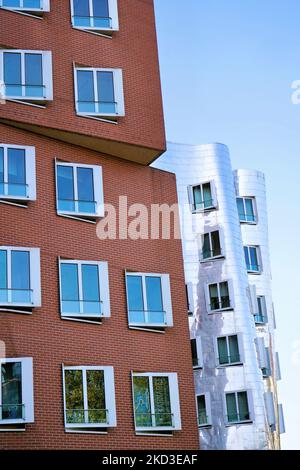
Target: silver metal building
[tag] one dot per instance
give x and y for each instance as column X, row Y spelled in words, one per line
column 227, row 266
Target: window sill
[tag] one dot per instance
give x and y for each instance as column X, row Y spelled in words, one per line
column 105, row 32
column 227, row 309
column 201, row 211
column 233, row 364
column 83, row 319
column 256, row 273
column 205, row 426
column 197, row 367
column 248, row 223
column 155, row 430
column 238, row 423
column 33, row 13
column 213, row 258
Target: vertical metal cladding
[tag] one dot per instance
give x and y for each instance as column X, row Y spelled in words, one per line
column 211, row 163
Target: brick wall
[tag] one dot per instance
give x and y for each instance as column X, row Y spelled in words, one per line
column 52, row 341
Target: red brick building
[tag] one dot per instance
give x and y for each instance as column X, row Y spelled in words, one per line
column 89, row 328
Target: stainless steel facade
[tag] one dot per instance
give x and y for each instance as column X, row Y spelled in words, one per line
column 255, row 372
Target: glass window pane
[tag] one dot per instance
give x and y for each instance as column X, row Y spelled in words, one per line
column 106, row 94
column 85, row 185
column 232, row 414
column 207, row 197
column 65, row 188
column 101, row 14
column 12, row 74
column 234, row 349
column 214, row 297
column 197, row 193
column 243, row 406
column 3, row 276
column 194, row 352
column 249, row 209
column 202, row 417
column 85, row 87
column 16, row 172
column 20, row 276
column 74, row 396
column 254, row 258
column 223, row 351
column 11, row 3
column 142, row 406
column 69, row 288
column 206, row 246
column 1, row 170
column 241, row 210
column 90, row 289
column 32, row 3
column 224, row 293
column 215, row 242
column 34, row 75
column 96, row 396
column 162, row 403
column 247, row 258
column 135, row 299
column 81, row 13
column 154, row 300
column 11, row 391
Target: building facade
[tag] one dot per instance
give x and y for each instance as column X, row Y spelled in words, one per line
column 228, row 277
column 89, row 327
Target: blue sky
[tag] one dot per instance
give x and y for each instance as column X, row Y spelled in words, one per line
column 227, row 67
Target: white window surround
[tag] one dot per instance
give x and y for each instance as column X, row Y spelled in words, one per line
column 259, row 317
column 47, row 75
column 253, row 199
column 98, row 190
column 222, row 246
column 30, row 170
column 103, row 290
column 118, row 91
column 249, row 268
column 174, row 401
column 200, row 363
column 250, row 407
column 110, row 401
column 45, row 7
column 214, row 200
column 113, row 13
column 240, row 346
column 231, row 296
column 27, row 390
column 207, row 409
column 166, row 300
column 35, row 277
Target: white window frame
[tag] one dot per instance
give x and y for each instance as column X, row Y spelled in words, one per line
column 35, row 277
column 174, row 401
column 98, row 190
column 30, row 171
column 199, row 350
column 259, row 259
column 110, row 401
column 221, row 241
column 214, row 205
column 208, row 300
column 254, row 305
column 166, row 300
column 240, row 346
column 252, row 198
column 45, row 7
column 250, row 407
column 103, row 290
column 207, row 409
column 47, row 75
column 118, row 91
column 27, row 390
column 113, row 12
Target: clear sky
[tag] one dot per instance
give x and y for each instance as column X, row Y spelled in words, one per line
column 227, row 67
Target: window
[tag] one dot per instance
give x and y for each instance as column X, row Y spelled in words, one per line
column 190, row 297
column 219, row 297
column 99, row 92
column 237, row 407
column 252, row 259
column 197, row 353
column 84, row 289
column 20, row 284
column 95, row 15
column 149, row 300
column 16, row 391
column 204, row 410
column 17, row 173
column 202, row 197
column 211, row 246
column 229, row 350
column 246, row 209
column 79, row 190
column 156, row 402
column 89, row 397
column 29, row 6
column 27, row 75
column 261, row 316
